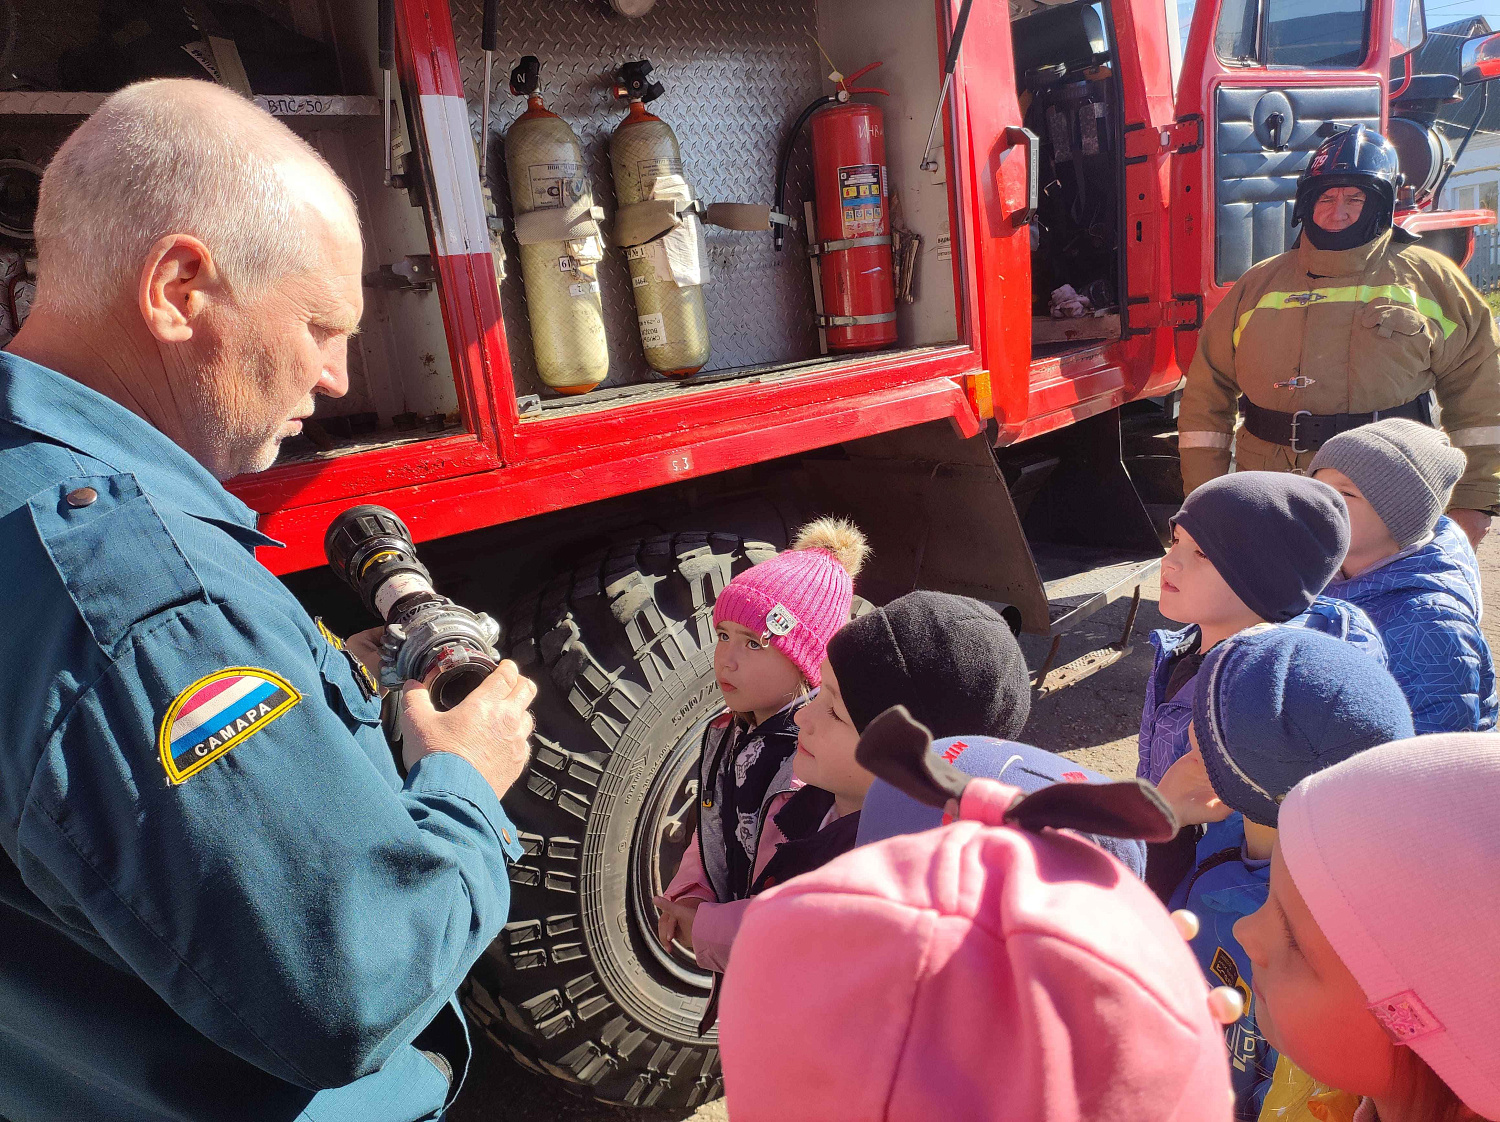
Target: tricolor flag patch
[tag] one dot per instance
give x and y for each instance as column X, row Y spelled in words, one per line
column 217, row 712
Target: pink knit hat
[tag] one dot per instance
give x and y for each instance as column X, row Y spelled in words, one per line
column 1397, row 853
column 799, row 598
column 972, row 971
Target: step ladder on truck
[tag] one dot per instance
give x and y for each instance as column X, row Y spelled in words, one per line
column 631, row 320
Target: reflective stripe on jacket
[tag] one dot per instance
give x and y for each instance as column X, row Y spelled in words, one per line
column 1352, row 331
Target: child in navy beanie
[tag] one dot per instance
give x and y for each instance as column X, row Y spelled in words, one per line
column 1273, row 706
column 1248, row 548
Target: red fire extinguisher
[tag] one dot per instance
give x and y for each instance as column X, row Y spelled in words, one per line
column 853, row 217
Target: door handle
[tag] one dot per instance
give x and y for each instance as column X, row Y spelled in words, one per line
column 1275, row 122
column 1017, row 134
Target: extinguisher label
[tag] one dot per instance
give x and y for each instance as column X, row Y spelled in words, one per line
column 556, row 185
column 862, row 200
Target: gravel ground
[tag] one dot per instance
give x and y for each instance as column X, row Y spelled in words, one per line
column 1094, row 723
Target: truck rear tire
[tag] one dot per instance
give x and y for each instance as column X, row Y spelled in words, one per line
column 577, row 984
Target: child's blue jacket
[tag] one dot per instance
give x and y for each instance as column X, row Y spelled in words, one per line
column 1426, row 602
column 1223, row 888
column 1164, row 723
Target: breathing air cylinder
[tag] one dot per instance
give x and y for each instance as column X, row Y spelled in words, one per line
column 557, row 226
column 658, row 225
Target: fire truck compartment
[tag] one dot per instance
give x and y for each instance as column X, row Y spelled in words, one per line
column 1067, row 83
column 736, row 78
column 401, row 384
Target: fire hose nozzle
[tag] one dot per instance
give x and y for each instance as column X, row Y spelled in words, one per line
column 428, row 637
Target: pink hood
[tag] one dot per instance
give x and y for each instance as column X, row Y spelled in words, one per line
column 969, row 972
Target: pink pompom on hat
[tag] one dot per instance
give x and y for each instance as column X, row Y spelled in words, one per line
column 1397, row 853
column 976, row 971
column 799, row 598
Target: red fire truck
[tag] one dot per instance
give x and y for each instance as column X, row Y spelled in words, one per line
column 1098, row 146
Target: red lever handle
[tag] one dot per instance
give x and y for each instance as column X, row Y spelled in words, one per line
column 860, row 73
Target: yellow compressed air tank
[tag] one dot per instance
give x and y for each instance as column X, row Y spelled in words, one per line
column 667, row 270
column 556, row 224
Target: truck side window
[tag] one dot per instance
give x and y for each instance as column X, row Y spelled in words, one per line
column 1296, row 34
column 1408, row 27
column 1235, row 37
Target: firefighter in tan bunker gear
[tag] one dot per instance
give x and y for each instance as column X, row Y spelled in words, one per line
column 1351, row 324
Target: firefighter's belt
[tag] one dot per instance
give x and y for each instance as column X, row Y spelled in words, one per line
column 639, row 223
column 558, row 224
column 1303, row 431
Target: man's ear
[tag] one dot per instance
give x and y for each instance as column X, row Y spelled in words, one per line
column 176, row 282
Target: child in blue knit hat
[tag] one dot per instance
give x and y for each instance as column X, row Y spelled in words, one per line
column 1273, row 706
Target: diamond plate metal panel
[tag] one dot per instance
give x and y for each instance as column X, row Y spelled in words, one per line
column 737, row 74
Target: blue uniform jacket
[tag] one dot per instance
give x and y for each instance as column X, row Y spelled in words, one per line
column 1426, row 603
column 218, row 900
column 1224, row 887
column 1164, row 724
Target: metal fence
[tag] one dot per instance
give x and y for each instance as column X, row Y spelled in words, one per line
column 1484, row 267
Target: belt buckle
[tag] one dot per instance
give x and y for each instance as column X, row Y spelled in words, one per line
column 1296, row 451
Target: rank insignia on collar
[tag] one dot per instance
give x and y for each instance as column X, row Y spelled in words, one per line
column 217, row 712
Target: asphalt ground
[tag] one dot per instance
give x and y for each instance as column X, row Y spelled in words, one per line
column 1094, row 723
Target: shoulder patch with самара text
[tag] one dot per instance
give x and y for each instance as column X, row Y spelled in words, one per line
column 217, row 712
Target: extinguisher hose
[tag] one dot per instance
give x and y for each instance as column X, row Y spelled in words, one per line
column 779, row 229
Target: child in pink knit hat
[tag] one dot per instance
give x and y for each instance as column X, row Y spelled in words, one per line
column 773, row 623
column 1374, row 954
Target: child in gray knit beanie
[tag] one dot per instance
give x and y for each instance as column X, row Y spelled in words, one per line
column 1412, row 570
column 1403, row 469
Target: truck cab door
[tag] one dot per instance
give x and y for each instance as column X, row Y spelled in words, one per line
column 1262, row 84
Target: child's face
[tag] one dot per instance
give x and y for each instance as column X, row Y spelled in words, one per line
column 826, row 740
column 1192, row 591
column 1368, row 536
column 756, row 679
column 1307, row 1004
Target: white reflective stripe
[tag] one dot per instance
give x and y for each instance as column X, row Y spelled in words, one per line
column 1204, row 439
column 459, row 220
column 1468, row 438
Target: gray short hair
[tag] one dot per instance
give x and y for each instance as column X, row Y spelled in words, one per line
column 170, row 156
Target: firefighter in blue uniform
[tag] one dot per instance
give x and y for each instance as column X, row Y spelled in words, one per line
column 218, row 897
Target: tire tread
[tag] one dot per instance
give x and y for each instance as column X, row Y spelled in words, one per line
column 599, row 642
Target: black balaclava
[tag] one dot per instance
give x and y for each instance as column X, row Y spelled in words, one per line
column 1366, row 228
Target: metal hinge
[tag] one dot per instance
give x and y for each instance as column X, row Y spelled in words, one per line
column 1183, row 136
column 1185, row 313
column 1141, row 315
